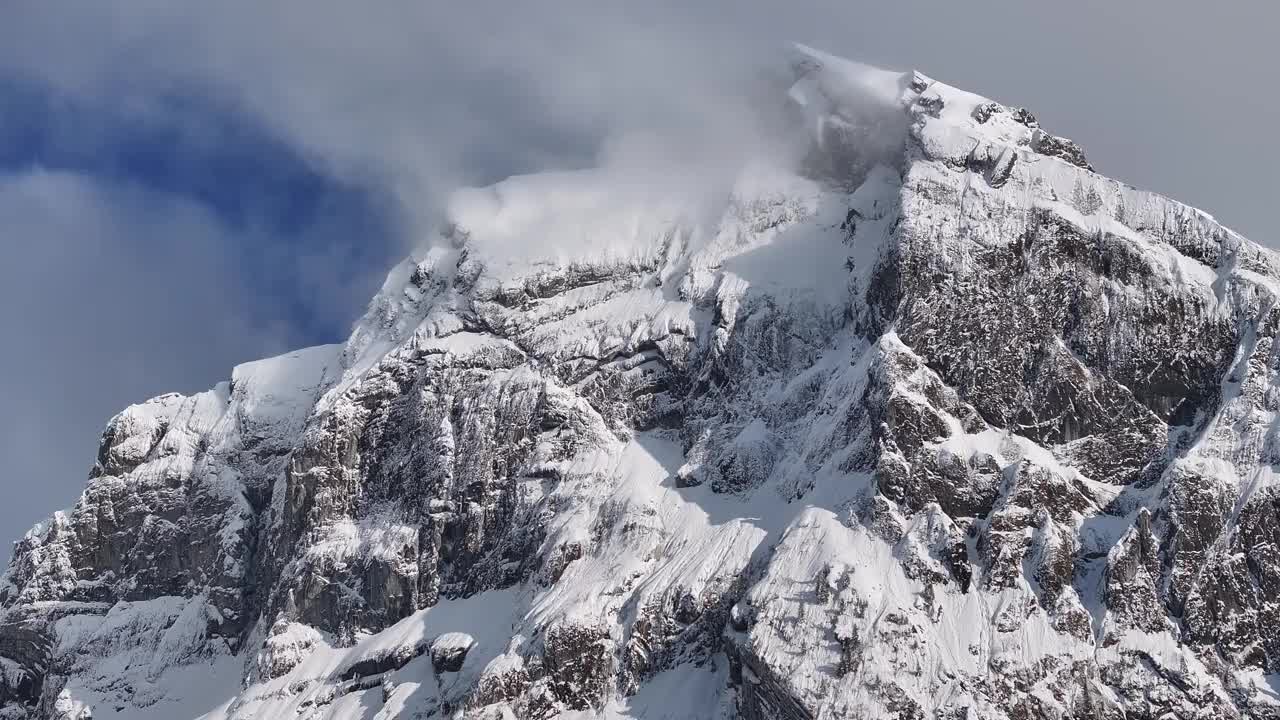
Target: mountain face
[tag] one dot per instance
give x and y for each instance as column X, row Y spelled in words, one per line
column 940, row 424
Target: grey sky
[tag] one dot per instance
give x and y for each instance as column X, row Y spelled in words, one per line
column 407, row 99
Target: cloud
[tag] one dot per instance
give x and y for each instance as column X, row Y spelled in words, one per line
column 108, row 294
column 414, row 97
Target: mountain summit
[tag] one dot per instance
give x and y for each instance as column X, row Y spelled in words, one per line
column 933, row 421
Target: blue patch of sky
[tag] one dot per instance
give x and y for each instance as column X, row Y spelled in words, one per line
column 256, row 185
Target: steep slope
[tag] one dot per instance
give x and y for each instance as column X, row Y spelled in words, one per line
column 936, row 423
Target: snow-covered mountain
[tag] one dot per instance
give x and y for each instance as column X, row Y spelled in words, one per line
column 937, row 422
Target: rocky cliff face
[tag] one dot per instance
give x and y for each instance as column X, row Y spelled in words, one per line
column 942, row 424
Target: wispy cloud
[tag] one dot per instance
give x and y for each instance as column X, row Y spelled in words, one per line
column 107, row 295
column 415, row 97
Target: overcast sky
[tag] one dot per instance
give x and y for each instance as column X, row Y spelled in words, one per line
column 185, row 186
